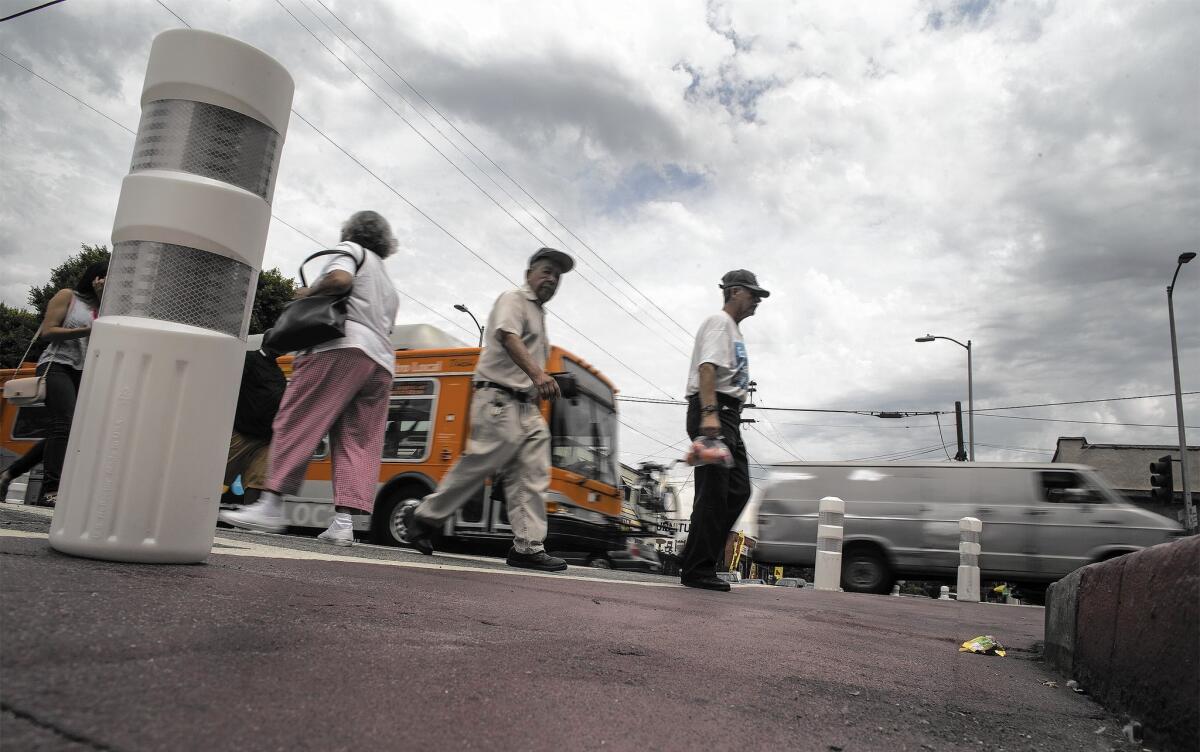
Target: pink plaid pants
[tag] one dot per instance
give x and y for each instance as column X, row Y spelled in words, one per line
column 343, row 393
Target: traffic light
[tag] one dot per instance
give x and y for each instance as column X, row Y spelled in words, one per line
column 1162, row 482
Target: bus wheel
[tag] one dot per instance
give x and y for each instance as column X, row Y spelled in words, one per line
column 864, row 570
column 387, row 528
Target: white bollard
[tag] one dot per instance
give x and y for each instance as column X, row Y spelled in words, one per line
column 945, row 593
column 896, row 590
column 970, row 534
column 150, row 438
column 830, row 517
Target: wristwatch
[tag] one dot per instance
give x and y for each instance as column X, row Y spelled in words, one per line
column 708, row 409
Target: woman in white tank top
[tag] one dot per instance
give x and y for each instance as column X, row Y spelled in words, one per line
column 66, row 327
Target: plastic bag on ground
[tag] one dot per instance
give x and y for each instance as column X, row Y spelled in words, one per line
column 984, row 645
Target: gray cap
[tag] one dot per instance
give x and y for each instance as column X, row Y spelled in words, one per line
column 564, row 261
column 743, row 278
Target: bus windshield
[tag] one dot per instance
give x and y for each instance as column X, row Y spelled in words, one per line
column 585, row 430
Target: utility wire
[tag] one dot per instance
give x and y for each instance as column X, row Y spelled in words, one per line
column 1081, row 402
column 474, row 164
column 451, row 162
column 940, row 436
column 173, row 13
column 502, row 170
column 30, row 10
column 1089, row 422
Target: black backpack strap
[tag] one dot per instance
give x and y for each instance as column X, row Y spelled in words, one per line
column 358, row 263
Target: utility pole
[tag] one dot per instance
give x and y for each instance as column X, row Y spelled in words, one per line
column 1189, row 511
column 961, row 455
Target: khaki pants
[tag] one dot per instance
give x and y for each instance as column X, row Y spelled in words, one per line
column 508, row 439
column 248, row 457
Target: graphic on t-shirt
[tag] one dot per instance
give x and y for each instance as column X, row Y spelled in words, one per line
column 741, row 366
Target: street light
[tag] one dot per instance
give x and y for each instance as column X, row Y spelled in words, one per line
column 1189, row 513
column 970, row 388
column 464, row 309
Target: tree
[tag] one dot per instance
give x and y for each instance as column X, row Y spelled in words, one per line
column 66, row 274
column 16, row 331
column 274, row 292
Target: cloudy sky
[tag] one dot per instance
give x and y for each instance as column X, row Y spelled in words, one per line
column 1020, row 174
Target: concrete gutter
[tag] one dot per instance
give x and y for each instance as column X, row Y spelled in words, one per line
column 1128, row 630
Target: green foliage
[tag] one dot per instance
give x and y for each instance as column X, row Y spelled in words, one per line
column 16, row 331
column 66, row 274
column 274, row 292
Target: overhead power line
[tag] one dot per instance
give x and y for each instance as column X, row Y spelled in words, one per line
column 472, row 162
column 503, row 172
column 913, row 413
column 30, row 10
column 451, row 162
column 1088, row 422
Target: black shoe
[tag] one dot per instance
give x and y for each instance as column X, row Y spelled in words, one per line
column 706, row 583
column 540, row 560
column 416, row 533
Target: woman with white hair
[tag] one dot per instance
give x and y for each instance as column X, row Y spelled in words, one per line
column 340, row 388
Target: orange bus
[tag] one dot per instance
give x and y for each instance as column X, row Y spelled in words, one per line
column 427, row 430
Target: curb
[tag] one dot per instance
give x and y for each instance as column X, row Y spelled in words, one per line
column 1127, row 630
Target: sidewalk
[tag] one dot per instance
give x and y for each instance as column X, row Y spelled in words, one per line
column 282, row 643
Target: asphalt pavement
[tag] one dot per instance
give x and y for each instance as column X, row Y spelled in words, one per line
column 284, row 643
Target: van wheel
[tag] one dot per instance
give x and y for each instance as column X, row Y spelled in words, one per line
column 387, row 527
column 864, row 570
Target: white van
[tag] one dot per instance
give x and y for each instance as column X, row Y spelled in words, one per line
column 1040, row 521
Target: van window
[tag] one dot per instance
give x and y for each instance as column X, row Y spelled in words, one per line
column 410, row 415
column 1065, row 487
column 31, row 423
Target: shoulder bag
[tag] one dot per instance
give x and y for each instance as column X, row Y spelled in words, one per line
column 308, row 322
column 29, row 391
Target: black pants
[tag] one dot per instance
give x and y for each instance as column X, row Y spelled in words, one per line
column 27, row 461
column 62, row 386
column 721, row 494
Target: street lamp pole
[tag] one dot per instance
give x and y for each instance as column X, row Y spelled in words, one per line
column 1189, row 512
column 970, row 389
column 464, row 309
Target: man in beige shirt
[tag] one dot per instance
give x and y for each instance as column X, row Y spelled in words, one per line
column 508, row 438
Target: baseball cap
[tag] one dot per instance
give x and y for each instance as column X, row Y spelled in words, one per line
column 743, row 278
column 565, row 262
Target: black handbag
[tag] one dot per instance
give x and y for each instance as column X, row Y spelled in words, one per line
column 308, row 322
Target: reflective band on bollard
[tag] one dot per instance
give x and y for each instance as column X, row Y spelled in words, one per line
column 830, row 518
column 151, row 432
column 970, row 533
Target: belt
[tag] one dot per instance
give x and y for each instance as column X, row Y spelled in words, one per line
column 516, row 394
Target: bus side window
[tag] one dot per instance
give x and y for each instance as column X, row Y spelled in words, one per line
column 407, row 435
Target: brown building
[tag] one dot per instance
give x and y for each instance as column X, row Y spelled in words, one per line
column 1127, row 468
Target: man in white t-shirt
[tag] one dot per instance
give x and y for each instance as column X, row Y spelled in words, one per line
column 718, row 382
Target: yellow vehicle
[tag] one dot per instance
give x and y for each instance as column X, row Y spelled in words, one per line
column 427, row 430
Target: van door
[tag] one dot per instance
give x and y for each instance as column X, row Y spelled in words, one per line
column 1071, row 518
column 1000, row 500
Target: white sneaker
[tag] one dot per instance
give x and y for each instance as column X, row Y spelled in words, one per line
column 338, row 535
column 264, row 515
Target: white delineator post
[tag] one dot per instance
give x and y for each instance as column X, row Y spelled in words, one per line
column 831, row 517
column 151, row 433
column 970, row 531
